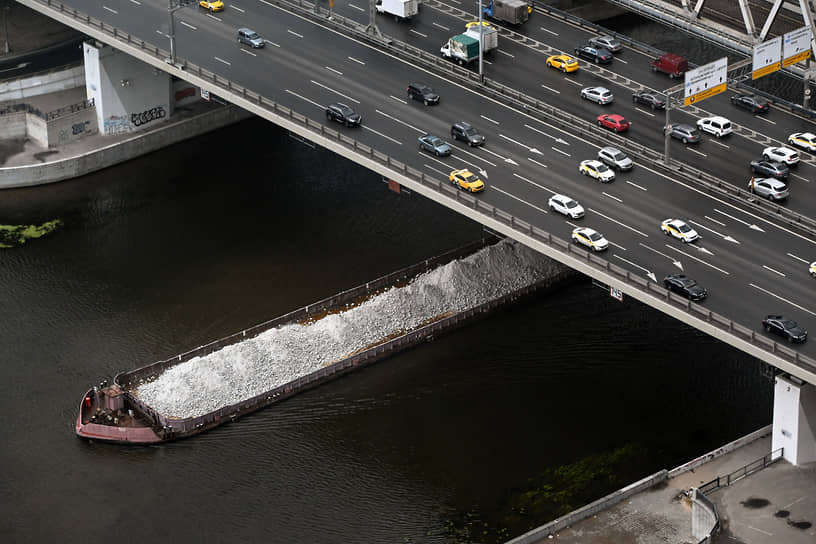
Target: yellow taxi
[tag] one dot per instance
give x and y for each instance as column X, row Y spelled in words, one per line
column 216, row 5
column 813, row 269
column 467, row 180
column 805, row 140
column 565, row 63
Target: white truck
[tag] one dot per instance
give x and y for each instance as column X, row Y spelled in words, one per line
column 489, row 34
column 400, row 9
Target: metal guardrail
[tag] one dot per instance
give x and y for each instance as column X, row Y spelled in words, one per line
column 322, row 133
column 704, row 502
column 742, row 472
column 48, row 116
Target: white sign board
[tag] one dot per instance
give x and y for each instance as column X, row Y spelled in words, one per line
column 617, row 294
column 767, row 58
column 796, row 46
column 706, row 81
column 205, row 94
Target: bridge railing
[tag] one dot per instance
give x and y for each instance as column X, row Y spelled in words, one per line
column 319, row 132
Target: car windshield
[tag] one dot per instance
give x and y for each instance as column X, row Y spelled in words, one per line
column 682, row 227
column 603, row 168
column 789, row 324
column 689, row 283
column 605, row 93
column 345, row 110
column 253, row 35
column 468, row 176
column 470, row 132
column 570, row 204
column 619, row 156
column 436, row 141
column 595, row 237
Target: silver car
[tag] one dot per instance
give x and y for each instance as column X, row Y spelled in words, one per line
column 770, row 188
column 615, row 158
column 601, row 95
column 250, row 38
column 607, row 42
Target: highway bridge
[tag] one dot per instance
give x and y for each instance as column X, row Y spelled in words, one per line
column 753, row 256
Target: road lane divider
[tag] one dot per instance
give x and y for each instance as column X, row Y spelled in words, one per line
column 699, row 260
column 783, row 299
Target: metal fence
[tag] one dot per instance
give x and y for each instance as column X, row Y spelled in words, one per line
column 569, row 254
column 742, row 472
column 47, row 116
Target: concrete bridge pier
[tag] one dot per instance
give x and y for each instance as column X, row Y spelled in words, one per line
column 794, row 419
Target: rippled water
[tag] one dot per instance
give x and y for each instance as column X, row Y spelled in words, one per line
column 441, row 443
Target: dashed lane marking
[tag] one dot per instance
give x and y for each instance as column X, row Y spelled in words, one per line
column 542, row 210
column 757, row 287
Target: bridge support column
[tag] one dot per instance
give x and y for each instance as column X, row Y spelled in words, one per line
column 794, row 419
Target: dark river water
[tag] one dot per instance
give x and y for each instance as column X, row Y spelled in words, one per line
column 475, row 437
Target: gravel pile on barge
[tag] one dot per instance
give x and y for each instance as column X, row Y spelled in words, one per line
column 278, row 356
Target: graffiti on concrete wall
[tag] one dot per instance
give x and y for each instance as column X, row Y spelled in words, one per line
column 116, row 124
column 147, row 116
column 79, row 128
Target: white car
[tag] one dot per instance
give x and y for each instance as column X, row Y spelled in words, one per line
column 566, row 206
column 601, row 95
column 679, row 229
column 781, row 154
column 716, row 125
column 813, row 269
column 590, row 238
column 805, row 140
column 597, row 170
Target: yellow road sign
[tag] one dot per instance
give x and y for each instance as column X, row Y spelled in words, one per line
column 702, row 95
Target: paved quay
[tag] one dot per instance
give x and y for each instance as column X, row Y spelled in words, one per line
column 775, row 505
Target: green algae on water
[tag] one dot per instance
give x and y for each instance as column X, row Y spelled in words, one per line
column 17, row 235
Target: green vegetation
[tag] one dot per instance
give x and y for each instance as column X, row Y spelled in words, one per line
column 553, row 493
column 17, row 235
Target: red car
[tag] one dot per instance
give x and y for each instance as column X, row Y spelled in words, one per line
column 613, row 122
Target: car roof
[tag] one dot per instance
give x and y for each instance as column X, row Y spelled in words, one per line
column 610, row 149
column 771, row 181
column 719, row 118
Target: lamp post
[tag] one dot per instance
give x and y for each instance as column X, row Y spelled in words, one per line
column 481, row 41
column 171, row 9
column 6, row 9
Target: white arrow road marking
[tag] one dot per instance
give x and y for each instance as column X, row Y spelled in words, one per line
column 698, row 260
column 347, row 97
column 466, row 152
column 797, row 176
column 530, row 149
column 723, row 236
column 400, row 121
column 782, row 299
column 483, row 173
column 383, row 135
column 749, row 225
column 519, row 199
column 648, row 272
column 505, row 159
column 558, row 140
column 536, row 162
column 774, row 271
column 797, row 258
column 531, row 182
column 624, row 225
column 676, row 263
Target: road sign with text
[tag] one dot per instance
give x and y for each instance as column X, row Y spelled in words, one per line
column 706, row 81
column 767, row 58
column 796, row 46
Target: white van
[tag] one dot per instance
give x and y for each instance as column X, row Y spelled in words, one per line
column 718, row 126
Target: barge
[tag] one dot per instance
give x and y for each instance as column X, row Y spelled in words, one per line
column 115, row 412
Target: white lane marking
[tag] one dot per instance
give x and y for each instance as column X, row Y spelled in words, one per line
column 650, row 114
column 336, row 92
column 271, row 43
column 489, row 119
column 211, row 16
column 237, row 8
column 446, row 29
column 698, row 152
column 528, row 148
column 531, row 182
column 749, row 225
column 798, row 258
column 486, row 61
column 270, row 4
column 551, row 89
column 248, row 52
column 611, row 243
column 764, row 119
column 357, row 7
column 400, row 122
column 505, row 159
column 559, row 140
column 357, row 61
column 774, row 271
column 797, row 176
column 781, row 298
column 188, row 25
column 397, row 99
column 633, row 264
column 624, row 225
column 456, row 2
column 506, row 53
column 294, row 33
column 618, row 59
column 559, row 151
column 574, row 82
column 160, row 33
column 536, row 162
column 698, row 260
column 310, row 101
column 383, row 135
column 338, row 72
column 725, row 237
column 477, row 157
column 612, row 197
column 542, row 210
column 136, row 2
column 720, row 144
column 418, row 33
column 550, row 31
column 677, row 263
column 720, row 223
column 794, row 502
column 636, row 185
column 222, row 60
column 440, row 172
column 111, row 10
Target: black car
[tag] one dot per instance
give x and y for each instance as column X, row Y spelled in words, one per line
column 649, row 99
column 683, row 285
column 751, row 102
column 778, row 170
column 420, row 91
column 343, row 114
column 598, row 55
column 467, row 133
column 787, row 328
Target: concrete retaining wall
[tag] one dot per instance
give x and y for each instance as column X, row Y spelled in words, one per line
column 37, row 129
column 731, row 446
column 50, row 82
column 14, row 125
column 72, row 126
column 140, row 144
column 592, row 508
